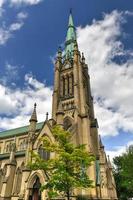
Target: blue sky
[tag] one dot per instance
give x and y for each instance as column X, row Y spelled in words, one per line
column 30, row 33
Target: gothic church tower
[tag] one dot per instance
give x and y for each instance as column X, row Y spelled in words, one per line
column 73, row 109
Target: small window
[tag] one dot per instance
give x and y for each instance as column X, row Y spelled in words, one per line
column 8, row 148
column 23, row 145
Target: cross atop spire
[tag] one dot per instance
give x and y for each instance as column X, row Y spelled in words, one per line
column 71, row 36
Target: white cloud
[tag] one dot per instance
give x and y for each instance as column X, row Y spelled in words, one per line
column 19, row 102
column 1, row 3
column 19, row 2
column 111, row 82
column 119, row 150
column 4, row 35
column 7, row 32
column 27, row 2
column 15, row 26
column 22, row 15
column 11, row 74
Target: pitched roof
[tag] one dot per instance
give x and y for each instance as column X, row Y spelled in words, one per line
column 18, row 131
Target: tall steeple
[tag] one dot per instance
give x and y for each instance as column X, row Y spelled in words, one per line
column 70, row 38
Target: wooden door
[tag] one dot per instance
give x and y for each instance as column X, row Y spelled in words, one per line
column 35, row 195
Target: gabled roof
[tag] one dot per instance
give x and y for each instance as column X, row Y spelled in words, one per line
column 18, row 131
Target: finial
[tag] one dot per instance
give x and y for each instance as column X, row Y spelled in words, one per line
column 59, row 49
column 108, row 157
column 71, row 10
column 109, row 162
column 83, row 58
column 34, row 116
column 100, row 141
column 47, row 116
column 59, row 52
column 15, row 139
column 35, row 105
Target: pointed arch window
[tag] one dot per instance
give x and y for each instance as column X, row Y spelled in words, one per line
column 43, row 153
column 23, row 145
column 18, row 180
column 8, row 148
column 67, row 123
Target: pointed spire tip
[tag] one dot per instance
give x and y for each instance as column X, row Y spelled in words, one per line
column 35, row 105
column 71, row 10
column 47, row 114
column 34, row 115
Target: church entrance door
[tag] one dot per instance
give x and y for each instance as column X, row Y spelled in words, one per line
column 36, row 194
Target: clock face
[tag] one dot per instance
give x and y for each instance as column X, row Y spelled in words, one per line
column 67, row 66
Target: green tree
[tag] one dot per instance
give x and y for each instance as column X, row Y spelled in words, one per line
column 68, row 169
column 123, row 173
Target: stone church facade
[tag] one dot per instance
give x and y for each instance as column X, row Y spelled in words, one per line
column 72, row 108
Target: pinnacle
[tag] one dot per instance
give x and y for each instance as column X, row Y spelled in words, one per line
column 34, row 115
column 100, row 141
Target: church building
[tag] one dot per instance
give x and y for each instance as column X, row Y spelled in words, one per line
column 72, row 108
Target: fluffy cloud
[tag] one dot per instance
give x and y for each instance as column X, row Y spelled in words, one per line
column 110, row 79
column 27, row 2
column 22, row 15
column 19, row 2
column 1, row 3
column 119, row 150
column 11, row 74
column 6, row 32
column 17, row 105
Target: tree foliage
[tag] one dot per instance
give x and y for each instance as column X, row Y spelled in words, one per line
column 123, row 174
column 67, row 169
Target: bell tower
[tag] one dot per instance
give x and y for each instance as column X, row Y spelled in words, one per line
column 72, row 100
column 73, row 109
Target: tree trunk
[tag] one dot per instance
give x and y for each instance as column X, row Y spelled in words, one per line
column 68, row 195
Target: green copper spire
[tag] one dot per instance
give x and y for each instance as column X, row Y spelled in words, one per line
column 71, row 37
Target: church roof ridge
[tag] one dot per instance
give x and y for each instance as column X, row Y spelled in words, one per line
column 18, row 131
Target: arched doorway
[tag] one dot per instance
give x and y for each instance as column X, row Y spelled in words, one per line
column 35, row 193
